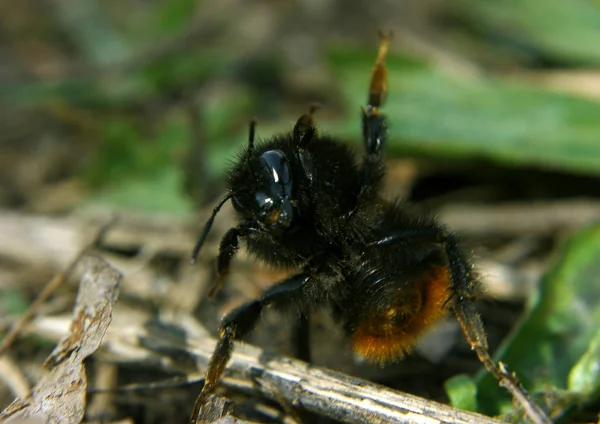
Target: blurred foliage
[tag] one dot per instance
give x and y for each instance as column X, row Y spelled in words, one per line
column 118, row 89
column 434, row 113
column 561, row 31
column 13, row 302
column 144, row 112
column 143, row 172
column 169, row 16
column 584, row 377
column 462, row 392
column 555, row 349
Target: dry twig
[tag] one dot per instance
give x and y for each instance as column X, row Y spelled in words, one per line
column 35, row 239
column 520, row 218
column 60, row 396
column 319, row 390
column 50, row 288
column 12, row 376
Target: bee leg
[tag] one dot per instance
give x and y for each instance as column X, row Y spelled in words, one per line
column 239, row 322
column 374, row 129
column 432, row 235
column 465, row 288
column 305, row 130
column 227, row 249
column 373, row 122
column 301, row 338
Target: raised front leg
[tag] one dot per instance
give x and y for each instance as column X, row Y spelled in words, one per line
column 304, row 132
column 373, row 122
column 227, row 250
column 374, row 129
column 211, row 219
column 239, row 322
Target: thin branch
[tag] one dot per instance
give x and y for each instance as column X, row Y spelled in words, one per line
column 60, row 394
column 173, row 233
column 13, row 377
column 520, row 218
column 50, row 288
column 253, row 371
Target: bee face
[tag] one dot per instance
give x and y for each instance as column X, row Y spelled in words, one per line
column 269, row 203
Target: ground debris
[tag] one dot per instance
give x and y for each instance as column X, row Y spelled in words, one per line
column 60, row 396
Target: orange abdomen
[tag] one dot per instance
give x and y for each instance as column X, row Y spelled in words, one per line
column 388, row 333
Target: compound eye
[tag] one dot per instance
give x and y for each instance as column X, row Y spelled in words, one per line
column 275, row 201
column 265, row 203
column 278, row 168
column 274, row 212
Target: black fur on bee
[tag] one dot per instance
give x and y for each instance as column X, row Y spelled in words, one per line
column 304, row 202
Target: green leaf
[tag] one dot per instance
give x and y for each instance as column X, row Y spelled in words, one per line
column 462, row 392
column 447, row 116
column 558, row 331
column 563, row 30
column 584, row 377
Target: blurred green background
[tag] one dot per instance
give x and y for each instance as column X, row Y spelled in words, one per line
column 141, row 104
column 143, row 99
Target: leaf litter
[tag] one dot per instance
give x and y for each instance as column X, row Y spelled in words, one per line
column 60, row 396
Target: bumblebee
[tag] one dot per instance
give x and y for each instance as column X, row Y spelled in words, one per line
column 387, row 273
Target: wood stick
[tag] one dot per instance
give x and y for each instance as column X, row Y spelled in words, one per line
column 48, row 289
column 32, row 239
column 253, row 371
column 518, row 219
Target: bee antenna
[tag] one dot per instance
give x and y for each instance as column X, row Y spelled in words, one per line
column 207, row 227
column 251, row 134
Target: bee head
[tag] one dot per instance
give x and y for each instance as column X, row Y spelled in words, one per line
column 264, row 192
